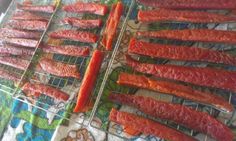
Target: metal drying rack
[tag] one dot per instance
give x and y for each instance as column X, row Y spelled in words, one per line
column 110, row 65
column 117, row 64
column 69, row 85
column 9, row 88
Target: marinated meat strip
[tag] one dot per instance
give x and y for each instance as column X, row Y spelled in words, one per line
column 148, row 127
column 14, row 62
column 182, row 16
column 58, row 68
column 89, row 81
column 175, row 89
column 181, row 53
column 29, row 25
column 21, row 42
column 74, row 35
column 47, row 90
column 93, row 8
column 191, row 4
column 6, row 74
column 217, row 36
column 37, row 8
column 15, row 33
column 80, row 23
column 209, row 77
column 112, row 25
column 67, row 50
column 23, row 15
column 13, row 50
column 180, row 114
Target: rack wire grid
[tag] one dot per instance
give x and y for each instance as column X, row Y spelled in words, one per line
column 69, row 85
column 103, row 106
column 12, row 88
column 9, row 87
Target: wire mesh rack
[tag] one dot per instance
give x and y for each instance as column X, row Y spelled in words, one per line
column 70, row 86
column 103, row 105
column 113, row 64
column 11, row 69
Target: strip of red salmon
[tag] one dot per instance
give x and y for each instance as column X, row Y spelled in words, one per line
column 6, row 74
column 191, row 4
column 209, row 77
column 180, row 53
column 28, row 25
column 175, row 89
column 37, row 8
column 81, row 36
column 21, row 42
column 71, row 50
column 147, row 127
column 89, row 81
column 15, row 33
column 166, row 15
column 47, row 90
column 13, row 50
column 180, row 114
column 81, row 23
column 58, row 68
column 23, row 15
column 112, row 25
column 215, row 36
column 14, row 62
column 81, row 7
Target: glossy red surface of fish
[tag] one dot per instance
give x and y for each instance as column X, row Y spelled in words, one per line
column 23, row 15
column 81, row 7
column 167, row 15
column 89, row 81
column 180, row 114
column 191, row 4
column 59, row 68
column 37, row 8
column 180, row 53
column 112, row 25
column 67, row 50
column 29, row 25
column 216, row 78
column 215, row 36
column 21, row 42
column 6, row 74
column 47, row 90
column 16, row 33
column 147, row 127
column 173, row 88
column 81, row 36
column 81, row 23
column 14, row 62
column 14, row 50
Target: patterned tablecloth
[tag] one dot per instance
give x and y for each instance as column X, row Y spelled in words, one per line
column 22, row 122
